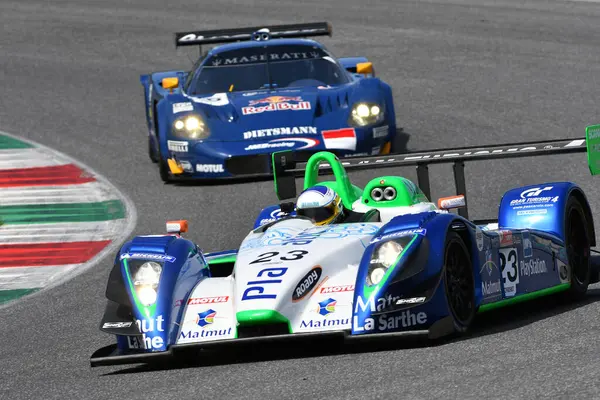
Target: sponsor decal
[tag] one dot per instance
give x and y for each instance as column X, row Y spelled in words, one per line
column 217, row 99
column 181, row 107
column 533, row 196
column 274, row 216
column 205, row 333
column 379, row 305
column 284, row 143
column 380, row 132
column 296, row 130
column 186, row 165
column 534, row 266
column 307, row 283
column 452, row 202
column 206, row 318
column 508, row 238
column 210, row 168
column 325, row 323
column 146, row 326
column 268, row 278
column 148, row 256
column 253, row 93
column 135, row 342
column 327, row 307
column 208, row 300
column 256, row 58
column 403, row 319
column 594, row 133
column 374, row 151
column 276, row 103
column 344, row 139
column 479, row 238
column 407, row 232
column 490, row 279
column 117, row 324
column 509, row 264
column 176, row 145
column 412, row 300
column 337, row 289
column 532, row 212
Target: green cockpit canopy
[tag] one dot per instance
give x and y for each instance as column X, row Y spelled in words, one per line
column 395, row 191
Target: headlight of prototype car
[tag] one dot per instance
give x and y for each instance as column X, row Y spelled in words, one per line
column 364, row 114
column 145, row 282
column 191, row 127
column 383, row 258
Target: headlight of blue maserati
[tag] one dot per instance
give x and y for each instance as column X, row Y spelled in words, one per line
column 364, row 114
column 383, row 258
column 145, row 282
column 191, row 127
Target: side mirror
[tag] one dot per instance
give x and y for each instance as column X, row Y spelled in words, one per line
column 169, row 83
column 285, row 181
column 177, row 227
column 448, row 203
column 365, row 68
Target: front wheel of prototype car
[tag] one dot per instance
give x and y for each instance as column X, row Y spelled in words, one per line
column 152, row 151
column 163, row 168
column 459, row 282
column 577, row 244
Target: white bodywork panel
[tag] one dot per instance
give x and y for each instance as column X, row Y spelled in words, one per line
column 271, row 267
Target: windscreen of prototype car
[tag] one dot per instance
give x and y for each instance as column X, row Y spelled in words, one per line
column 247, row 69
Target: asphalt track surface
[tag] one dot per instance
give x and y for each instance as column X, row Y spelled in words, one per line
column 464, row 73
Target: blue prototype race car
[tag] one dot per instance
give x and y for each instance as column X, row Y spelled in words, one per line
column 396, row 265
column 269, row 90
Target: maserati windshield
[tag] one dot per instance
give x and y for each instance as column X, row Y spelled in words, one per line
column 248, row 69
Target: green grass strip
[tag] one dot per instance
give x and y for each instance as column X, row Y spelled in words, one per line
column 13, row 294
column 6, row 142
column 63, row 212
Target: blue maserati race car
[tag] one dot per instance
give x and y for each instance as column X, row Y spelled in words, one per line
column 269, row 90
column 397, row 264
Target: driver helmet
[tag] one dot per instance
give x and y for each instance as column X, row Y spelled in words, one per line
column 321, row 204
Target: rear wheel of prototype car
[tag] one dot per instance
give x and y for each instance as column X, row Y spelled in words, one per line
column 459, row 282
column 577, row 243
column 152, row 151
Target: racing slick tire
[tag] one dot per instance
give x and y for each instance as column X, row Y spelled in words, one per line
column 459, row 283
column 577, row 244
column 152, row 151
column 163, row 168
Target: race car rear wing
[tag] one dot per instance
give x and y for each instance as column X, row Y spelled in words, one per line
column 286, row 168
column 238, row 34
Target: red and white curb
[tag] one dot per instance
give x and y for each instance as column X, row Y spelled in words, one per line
column 58, row 218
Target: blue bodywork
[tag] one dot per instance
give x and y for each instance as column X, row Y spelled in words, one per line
column 238, row 142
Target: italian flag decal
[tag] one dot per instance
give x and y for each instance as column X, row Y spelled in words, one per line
column 54, row 216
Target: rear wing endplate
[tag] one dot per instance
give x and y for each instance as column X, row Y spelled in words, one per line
column 285, row 168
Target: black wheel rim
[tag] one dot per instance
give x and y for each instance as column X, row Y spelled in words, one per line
column 459, row 283
column 578, row 248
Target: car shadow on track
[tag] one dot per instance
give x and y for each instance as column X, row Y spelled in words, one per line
column 513, row 317
column 400, row 146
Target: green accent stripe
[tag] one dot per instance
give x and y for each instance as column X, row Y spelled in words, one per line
column 230, row 258
column 63, row 212
column 525, row 297
column 262, row 317
column 6, row 142
column 13, row 294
